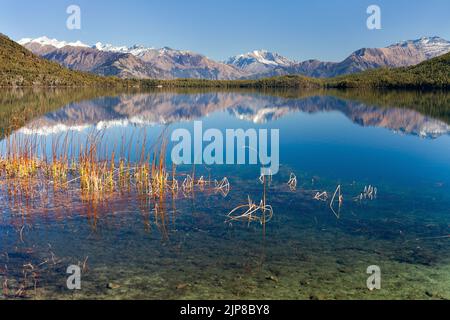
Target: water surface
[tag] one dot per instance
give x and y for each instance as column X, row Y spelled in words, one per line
column 183, row 248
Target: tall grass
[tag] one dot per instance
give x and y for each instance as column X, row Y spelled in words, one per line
column 96, row 176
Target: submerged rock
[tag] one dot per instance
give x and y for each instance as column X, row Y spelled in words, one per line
column 182, row 286
column 112, row 286
column 272, row 278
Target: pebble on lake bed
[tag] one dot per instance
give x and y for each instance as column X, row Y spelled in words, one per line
column 272, row 278
column 112, row 286
column 182, row 286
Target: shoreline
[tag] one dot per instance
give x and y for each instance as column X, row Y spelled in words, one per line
column 354, row 81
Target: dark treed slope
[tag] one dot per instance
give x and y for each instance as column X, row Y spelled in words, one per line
column 434, row 73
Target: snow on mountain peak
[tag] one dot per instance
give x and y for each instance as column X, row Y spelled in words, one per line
column 108, row 47
column 261, row 57
column 135, row 50
column 423, row 41
column 430, row 46
column 45, row 41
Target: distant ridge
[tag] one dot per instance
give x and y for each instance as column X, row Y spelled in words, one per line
column 20, row 67
column 143, row 62
column 131, row 62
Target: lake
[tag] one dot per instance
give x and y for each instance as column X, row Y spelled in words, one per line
column 388, row 153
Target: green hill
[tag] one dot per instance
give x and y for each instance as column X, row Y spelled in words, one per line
column 19, row 67
column 431, row 74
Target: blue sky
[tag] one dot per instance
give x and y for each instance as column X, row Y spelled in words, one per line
column 323, row 29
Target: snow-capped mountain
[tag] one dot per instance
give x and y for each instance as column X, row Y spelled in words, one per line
column 259, row 56
column 259, row 64
column 175, row 63
column 430, row 46
column 165, row 63
column 402, row 54
column 259, row 61
column 131, row 62
column 45, row 41
column 135, row 50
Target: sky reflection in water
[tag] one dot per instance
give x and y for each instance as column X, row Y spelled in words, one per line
column 324, row 140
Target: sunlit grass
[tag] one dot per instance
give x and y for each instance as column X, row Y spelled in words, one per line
column 81, row 167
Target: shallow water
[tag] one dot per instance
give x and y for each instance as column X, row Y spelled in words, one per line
column 184, row 248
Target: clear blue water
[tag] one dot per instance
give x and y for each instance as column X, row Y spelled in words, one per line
column 304, row 252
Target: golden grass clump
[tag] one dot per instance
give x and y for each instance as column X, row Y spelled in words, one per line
column 292, row 183
column 81, row 168
column 95, row 175
column 20, row 159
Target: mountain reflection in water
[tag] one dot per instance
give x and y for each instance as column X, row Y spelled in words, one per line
column 165, row 108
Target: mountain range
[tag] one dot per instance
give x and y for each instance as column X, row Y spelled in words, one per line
column 20, row 68
column 166, row 63
column 131, row 62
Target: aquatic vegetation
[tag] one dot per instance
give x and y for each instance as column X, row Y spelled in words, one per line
column 261, row 213
column 173, row 186
column 321, row 196
column 201, row 183
column 23, row 281
column 266, row 178
column 369, row 193
column 19, row 160
column 340, row 199
column 82, row 172
column 337, row 197
column 92, row 173
column 222, row 186
column 292, row 183
column 187, row 185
